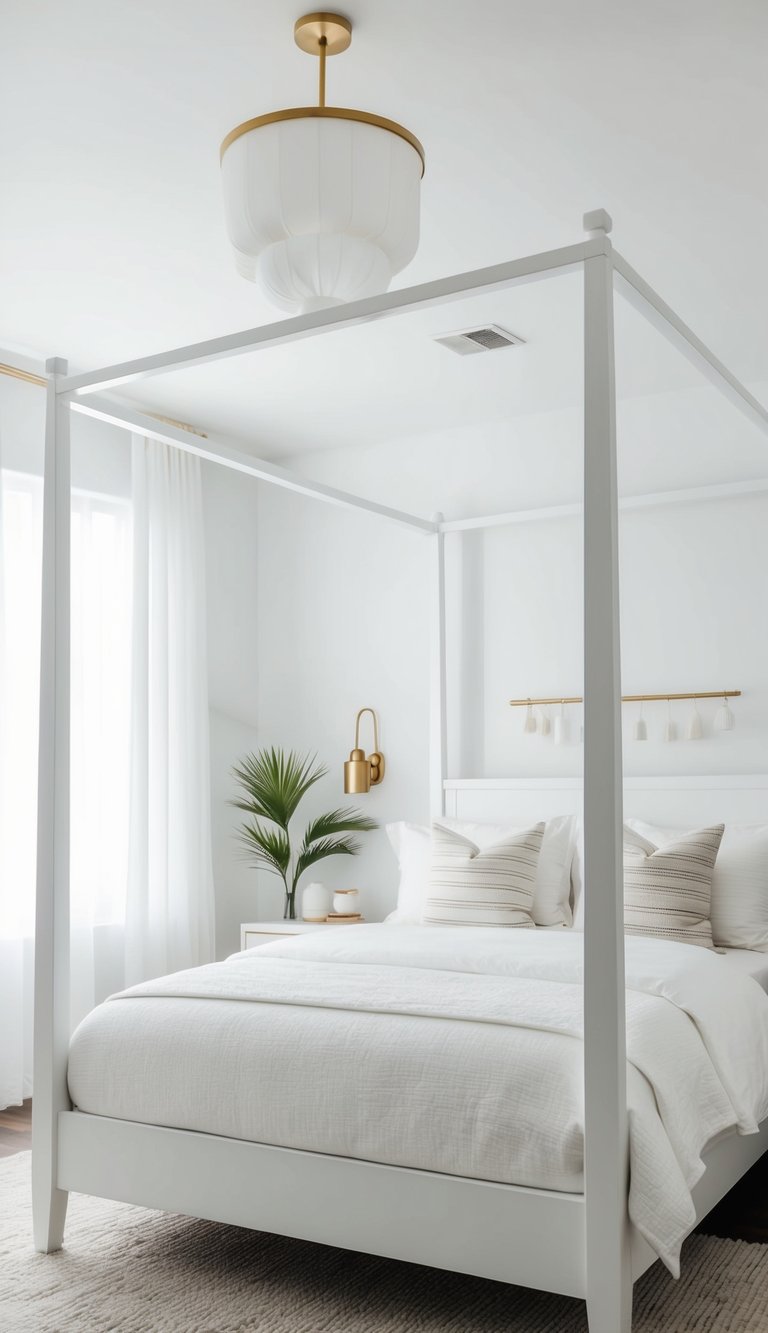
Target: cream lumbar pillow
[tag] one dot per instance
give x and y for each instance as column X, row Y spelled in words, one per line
column 412, row 845
column 489, row 887
column 668, row 889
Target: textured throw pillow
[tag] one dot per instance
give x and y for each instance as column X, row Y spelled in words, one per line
column 412, row 845
column 668, row 889
column 739, row 884
column 490, row 887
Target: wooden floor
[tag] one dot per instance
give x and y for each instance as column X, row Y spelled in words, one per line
column 15, row 1129
column 741, row 1215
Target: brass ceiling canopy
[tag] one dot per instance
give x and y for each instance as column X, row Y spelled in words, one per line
column 315, row 31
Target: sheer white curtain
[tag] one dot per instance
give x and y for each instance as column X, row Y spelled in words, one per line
column 141, row 879
column 170, row 912
column 100, row 676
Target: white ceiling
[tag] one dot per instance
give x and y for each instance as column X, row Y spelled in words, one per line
column 112, row 241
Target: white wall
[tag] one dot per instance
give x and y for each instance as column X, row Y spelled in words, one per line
column 343, row 618
column 343, row 614
column 693, row 592
column 101, row 456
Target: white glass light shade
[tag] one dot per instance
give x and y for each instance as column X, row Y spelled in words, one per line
column 562, row 732
column 725, row 718
column 321, row 210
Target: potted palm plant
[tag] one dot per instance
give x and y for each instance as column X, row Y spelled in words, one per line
column 273, row 783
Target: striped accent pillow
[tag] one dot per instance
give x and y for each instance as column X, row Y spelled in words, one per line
column 493, row 887
column 668, row 889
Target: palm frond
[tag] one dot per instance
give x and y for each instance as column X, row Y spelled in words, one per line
column 268, row 847
column 341, row 846
column 274, row 783
column 342, row 820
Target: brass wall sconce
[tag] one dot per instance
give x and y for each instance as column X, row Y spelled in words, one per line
column 361, row 771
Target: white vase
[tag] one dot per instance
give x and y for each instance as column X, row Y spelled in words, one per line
column 315, row 902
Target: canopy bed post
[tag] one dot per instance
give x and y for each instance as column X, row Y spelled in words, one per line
column 609, row 1280
column 51, row 1041
column 438, row 729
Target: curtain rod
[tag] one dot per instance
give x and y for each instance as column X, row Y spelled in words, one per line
column 29, row 377
column 631, row 698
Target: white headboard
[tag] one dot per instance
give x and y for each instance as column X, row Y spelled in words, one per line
column 741, row 798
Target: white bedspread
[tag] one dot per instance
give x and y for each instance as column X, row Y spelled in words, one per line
column 445, row 1049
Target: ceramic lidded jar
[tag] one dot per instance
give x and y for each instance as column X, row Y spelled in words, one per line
column 346, row 902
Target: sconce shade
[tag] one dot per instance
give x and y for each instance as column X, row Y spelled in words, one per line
column 357, row 773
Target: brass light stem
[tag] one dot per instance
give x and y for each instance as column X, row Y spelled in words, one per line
column 375, row 728
column 323, row 54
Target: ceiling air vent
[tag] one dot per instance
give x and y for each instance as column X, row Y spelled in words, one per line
column 485, row 339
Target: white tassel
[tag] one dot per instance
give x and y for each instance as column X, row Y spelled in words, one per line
column 725, row 719
column 695, row 727
column 670, row 727
column 641, row 728
column 545, row 724
column 562, row 727
column 529, row 725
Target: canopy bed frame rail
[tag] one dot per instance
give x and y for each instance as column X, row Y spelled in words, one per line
column 527, row 1237
column 340, row 1201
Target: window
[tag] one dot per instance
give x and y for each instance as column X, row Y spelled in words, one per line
column 101, row 675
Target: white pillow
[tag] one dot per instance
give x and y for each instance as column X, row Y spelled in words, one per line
column 739, row 885
column 492, row 886
column 412, row 845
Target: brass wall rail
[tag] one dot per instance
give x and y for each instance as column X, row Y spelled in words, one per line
column 629, row 698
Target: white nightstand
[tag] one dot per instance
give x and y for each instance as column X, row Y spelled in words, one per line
column 253, row 933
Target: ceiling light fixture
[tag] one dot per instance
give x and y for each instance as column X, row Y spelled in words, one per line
column 321, row 202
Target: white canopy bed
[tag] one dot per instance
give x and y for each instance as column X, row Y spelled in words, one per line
column 559, row 1239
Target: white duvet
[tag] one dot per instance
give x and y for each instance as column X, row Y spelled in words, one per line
column 445, row 1049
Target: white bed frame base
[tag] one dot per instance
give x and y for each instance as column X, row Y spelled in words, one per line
column 527, row 1237
column 581, row 1245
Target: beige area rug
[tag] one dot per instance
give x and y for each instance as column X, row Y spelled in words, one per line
column 135, row 1271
